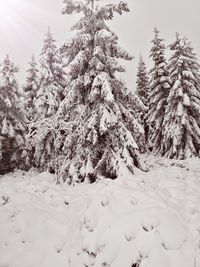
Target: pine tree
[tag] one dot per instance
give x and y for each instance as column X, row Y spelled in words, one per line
column 142, row 91
column 181, row 127
column 98, row 131
column 31, row 89
column 138, row 110
column 159, row 90
column 12, row 119
column 49, row 96
column 142, row 82
column 51, row 91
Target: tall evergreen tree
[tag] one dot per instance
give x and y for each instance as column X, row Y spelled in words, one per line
column 142, row 91
column 49, row 96
column 181, row 127
column 159, row 91
column 51, row 91
column 99, row 133
column 31, row 89
column 12, row 119
column 142, row 82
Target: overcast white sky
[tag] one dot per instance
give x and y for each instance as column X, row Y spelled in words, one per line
column 24, row 23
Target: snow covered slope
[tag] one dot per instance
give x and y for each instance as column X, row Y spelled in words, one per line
column 147, row 220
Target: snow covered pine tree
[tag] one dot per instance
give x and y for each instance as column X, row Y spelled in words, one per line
column 137, row 109
column 53, row 78
column 143, row 92
column 49, row 96
column 142, row 89
column 181, row 127
column 12, row 120
column 159, row 91
column 30, row 89
column 100, row 130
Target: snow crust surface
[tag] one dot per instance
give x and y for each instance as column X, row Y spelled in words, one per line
column 146, row 220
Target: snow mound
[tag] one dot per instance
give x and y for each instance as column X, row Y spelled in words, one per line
column 146, row 220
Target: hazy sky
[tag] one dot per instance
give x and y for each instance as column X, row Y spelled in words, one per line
column 24, row 23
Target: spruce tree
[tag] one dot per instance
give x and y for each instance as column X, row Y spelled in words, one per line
column 159, row 90
column 181, row 127
column 12, row 119
column 99, row 132
column 31, row 89
column 138, row 110
column 53, row 78
column 142, row 82
column 142, row 91
column 49, row 96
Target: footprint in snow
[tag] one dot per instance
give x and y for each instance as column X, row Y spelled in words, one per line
column 149, row 223
column 129, row 236
column 4, row 200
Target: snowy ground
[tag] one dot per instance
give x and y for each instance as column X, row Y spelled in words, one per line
column 147, row 220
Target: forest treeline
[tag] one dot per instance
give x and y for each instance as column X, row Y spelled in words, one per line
column 76, row 118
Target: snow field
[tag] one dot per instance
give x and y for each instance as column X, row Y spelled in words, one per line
column 146, row 220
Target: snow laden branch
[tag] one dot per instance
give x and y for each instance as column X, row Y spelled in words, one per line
column 105, row 12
